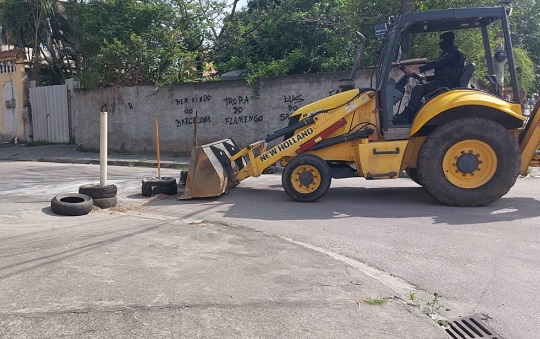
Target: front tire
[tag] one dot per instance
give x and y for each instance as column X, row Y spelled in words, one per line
column 469, row 162
column 306, row 178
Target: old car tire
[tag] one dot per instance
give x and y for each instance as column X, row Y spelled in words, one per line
column 104, row 203
column 169, row 190
column 469, row 162
column 163, row 181
column 306, row 178
column 97, row 191
column 71, row 204
column 165, row 185
column 146, row 190
column 413, row 175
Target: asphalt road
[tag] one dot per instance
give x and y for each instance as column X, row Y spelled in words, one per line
column 481, row 260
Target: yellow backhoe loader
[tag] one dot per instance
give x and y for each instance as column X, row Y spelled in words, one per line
column 466, row 146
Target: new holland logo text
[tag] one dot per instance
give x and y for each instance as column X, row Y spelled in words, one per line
column 286, row 144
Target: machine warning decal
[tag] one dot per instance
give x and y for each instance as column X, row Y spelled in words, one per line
column 350, row 107
column 286, row 144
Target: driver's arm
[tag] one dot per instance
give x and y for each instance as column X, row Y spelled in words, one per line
column 414, row 69
column 441, row 61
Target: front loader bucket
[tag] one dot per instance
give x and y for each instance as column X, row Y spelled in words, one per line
column 210, row 171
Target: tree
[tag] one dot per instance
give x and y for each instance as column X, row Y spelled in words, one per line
column 285, row 37
column 41, row 27
column 291, row 36
column 113, row 42
column 132, row 42
column 127, row 42
column 525, row 24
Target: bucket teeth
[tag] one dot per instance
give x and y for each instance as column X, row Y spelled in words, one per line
column 211, row 172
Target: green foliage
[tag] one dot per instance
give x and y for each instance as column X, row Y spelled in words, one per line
column 432, row 307
column 81, row 148
column 160, row 42
column 114, row 42
column 126, row 42
column 413, row 298
column 525, row 69
column 36, row 143
column 40, row 26
column 17, row 19
column 375, row 301
column 291, row 36
column 294, row 37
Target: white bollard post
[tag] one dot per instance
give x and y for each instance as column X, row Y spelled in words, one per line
column 103, row 149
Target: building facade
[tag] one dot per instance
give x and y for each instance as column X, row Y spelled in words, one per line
column 14, row 114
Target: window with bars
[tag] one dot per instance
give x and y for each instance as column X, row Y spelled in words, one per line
column 7, row 67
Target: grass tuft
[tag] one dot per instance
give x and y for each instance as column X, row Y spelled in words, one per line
column 375, row 301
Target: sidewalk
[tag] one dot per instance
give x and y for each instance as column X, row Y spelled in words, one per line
column 69, row 154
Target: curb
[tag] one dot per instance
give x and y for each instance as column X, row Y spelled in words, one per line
column 128, row 163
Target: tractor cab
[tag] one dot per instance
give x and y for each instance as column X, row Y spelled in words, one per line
column 422, row 30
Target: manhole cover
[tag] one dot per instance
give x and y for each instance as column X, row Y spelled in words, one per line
column 470, row 327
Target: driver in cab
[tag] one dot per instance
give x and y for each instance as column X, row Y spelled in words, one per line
column 447, row 70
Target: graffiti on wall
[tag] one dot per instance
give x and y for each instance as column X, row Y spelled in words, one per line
column 293, row 103
column 193, row 100
column 191, row 115
column 236, row 106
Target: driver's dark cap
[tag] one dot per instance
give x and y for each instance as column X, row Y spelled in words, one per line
column 448, row 37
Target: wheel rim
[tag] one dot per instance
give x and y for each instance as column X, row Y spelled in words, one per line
column 470, row 163
column 306, row 179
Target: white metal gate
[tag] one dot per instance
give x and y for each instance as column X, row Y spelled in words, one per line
column 50, row 114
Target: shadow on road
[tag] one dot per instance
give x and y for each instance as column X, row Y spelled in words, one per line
column 385, row 203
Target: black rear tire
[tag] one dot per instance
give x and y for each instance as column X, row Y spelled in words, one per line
column 306, row 178
column 469, row 162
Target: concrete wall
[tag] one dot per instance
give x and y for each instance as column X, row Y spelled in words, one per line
column 224, row 109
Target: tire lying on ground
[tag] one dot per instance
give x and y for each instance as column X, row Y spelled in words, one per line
column 72, row 204
column 98, row 191
column 163, row 181
column 146, row 190
column 103, row 196
column 105, row 202
column 169, row 190
column 165, row 185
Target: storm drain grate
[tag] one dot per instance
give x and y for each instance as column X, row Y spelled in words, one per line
column 470, row 327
